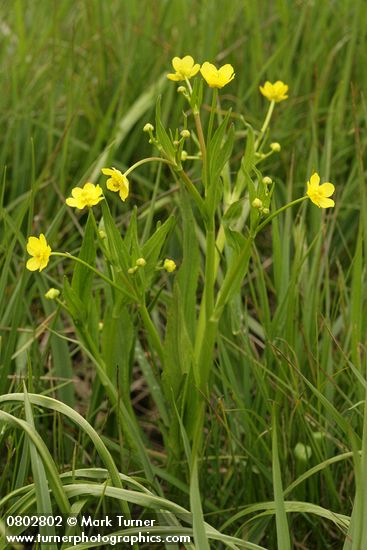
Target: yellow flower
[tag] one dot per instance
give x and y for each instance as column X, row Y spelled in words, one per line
column 89, row 195
column 118, row 182
column 40, row 250
column 275, row 92
column 217, row 78
column 319, row 193
column 185, row 68
column 169, row 265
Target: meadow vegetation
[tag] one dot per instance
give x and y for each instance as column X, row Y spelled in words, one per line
column 191, row 346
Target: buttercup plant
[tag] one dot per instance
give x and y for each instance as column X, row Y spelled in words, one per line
column 229, row 217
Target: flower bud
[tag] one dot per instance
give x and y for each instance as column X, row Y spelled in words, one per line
column 102, row 234
column 185, row 134
column 132, row 270
column 257, row 203
column 140, row 262
column 148, row 127
column 265, row 211
column 52, row 293
column 181, row 90
column 184, row 155
column 169, row 265
column 267, row 180
column 275, row 147
column 302, row 452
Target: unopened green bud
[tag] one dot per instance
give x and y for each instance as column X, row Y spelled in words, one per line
column 132, row 270
column 257, row 203
column 275, row 147
column 102, row 234
column 184, row 155
column 185, row 134
column 141, row 262
column 52, row 293
column 265, row 211
column 267, row 180
column 302, row 452
column 181, row 90
column 148, row 127
column 318, row 436
column 169, row 265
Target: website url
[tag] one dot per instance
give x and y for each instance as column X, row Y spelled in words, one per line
column 112, row 540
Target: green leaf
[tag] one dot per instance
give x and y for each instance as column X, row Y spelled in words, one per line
column 82, row 276
column 117, row 253
column 39, row 476
column 152, row 248
column 162, row 136
column 75, row 305
column 280, row 514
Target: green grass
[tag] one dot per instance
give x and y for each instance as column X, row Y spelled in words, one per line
column 109, row 418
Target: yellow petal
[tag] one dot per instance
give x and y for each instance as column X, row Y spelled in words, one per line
column 174, row 76
column 227, row 72
column 326, row 203
column 33, row 264
column 33, row 246
column 43, row 263
column 76, row 192
column 327, row 189
column 187, row 63
column 43, row 241
column 208, row 68
column 176, row 63
column 195, row 69
column 315, row 179
column 72, row 202
column 107, row 171
column 124, row 193
column 113, row 185
column 89, row 187
column 210, row 74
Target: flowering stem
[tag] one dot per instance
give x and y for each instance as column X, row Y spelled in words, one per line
column 266, row 124
column 209, row 271
column 189, row 86
column 144, row 161
column 200, row 133
column 101, row 275
column 274, row 214
column 239, row 269
column 212, row 113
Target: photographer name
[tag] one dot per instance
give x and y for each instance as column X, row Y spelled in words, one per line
column 119, row 521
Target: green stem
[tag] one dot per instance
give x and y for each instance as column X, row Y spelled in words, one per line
column 144, row 161
column 212, row 113
column 200, row 133
column 101, row 275
column 208, row 295
column 269, row 218
column 189, row 86
column 265, row 125
column 239, row 268
column 153, row 333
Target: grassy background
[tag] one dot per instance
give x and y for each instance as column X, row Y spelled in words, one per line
column 79, row 81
